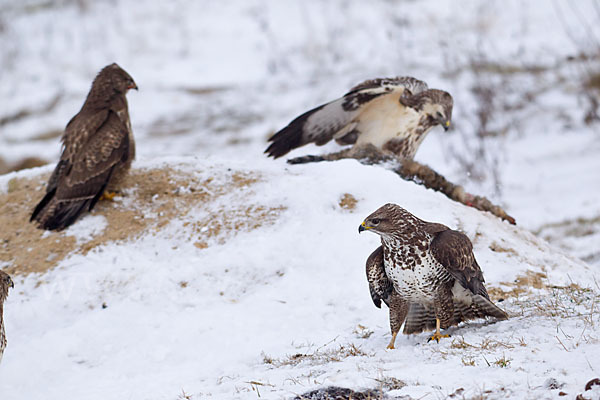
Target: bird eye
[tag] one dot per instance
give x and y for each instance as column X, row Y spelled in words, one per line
column 375, row 221
column 439, row 115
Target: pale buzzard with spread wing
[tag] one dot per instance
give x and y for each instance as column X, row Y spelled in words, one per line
column 392, row 114
column 98, row 149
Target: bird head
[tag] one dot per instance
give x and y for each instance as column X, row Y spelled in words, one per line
column 121, row 80
column 387, row 221
column 439, row 108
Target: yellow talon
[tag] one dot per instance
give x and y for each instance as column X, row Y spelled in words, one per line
column 437, row 335
column 108, row 195
column 391, row 345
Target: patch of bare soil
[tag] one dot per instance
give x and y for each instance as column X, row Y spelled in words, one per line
column 148, row 200
column 348, row 202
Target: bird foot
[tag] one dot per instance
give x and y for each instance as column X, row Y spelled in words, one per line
column 437, row 336
column 391, row 345
column 108, row 195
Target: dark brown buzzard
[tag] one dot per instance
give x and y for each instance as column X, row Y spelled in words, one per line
column 5, row 284
column 425, row 272
column 392, row 114
column 98, row 148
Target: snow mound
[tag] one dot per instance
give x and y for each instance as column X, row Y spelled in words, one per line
column 217, row 279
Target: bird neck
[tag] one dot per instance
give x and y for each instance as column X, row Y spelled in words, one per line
column 418, row 238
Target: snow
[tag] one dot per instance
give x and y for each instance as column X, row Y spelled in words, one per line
column 216, row 79
column 119, row 323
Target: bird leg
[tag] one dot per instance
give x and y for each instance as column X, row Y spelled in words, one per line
column 391, row 345
column 437, row 335
column 367, row 154
column 325, row 157
column 107, row 195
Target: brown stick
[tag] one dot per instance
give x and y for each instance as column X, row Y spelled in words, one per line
column 411, row 170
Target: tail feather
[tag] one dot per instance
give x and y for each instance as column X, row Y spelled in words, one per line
column 420, row 318
column 60, row 214
column 285, row 141
column 291, row 137
column 488, row 309
column 42, row 204
column 480, row 307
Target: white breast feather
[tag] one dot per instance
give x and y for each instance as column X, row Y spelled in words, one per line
column 385, row 118
column 417, row 284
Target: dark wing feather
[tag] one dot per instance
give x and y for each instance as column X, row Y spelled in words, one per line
column 335, row 120
column 454, row 251
column 380, row 286
column 85, row 178
column 80, row 129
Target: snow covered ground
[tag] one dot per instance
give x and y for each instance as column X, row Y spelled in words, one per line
column 284, row 303
column 216, row 79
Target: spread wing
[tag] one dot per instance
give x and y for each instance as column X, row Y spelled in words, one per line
column 380, row 286
column 338, row 119
column 79, row 181
column 454, row 251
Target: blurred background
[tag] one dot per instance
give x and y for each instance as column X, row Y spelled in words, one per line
column 216, row 79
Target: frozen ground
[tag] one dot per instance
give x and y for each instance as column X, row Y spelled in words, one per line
column 216, row 79
column 284, row 302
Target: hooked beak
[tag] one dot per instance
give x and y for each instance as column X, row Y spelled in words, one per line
column 12, row 284
column 363, row 227
column 132, row 86
column 446, row 125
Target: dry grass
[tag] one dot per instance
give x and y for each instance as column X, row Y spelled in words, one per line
column 362, row 331
column 390, row 383
column 319, row 356
column 567, row 302
column 468, row 361
column 486, row 344
column 498, row 248
column 149, row 200
column 521, row 285
column 502, row 362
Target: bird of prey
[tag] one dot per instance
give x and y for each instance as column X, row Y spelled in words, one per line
column 5, row 283
column 392, row 114
column 425, row 272
column 98, row 149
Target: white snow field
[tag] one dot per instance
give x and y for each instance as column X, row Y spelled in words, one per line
column 259, row 291
column 285, row 303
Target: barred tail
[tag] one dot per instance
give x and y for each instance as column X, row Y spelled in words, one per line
column 420, row 318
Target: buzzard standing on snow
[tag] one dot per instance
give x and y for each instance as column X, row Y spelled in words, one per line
column 5, row 283
column 392, row 114
column 425, row 272
column 98, row 149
